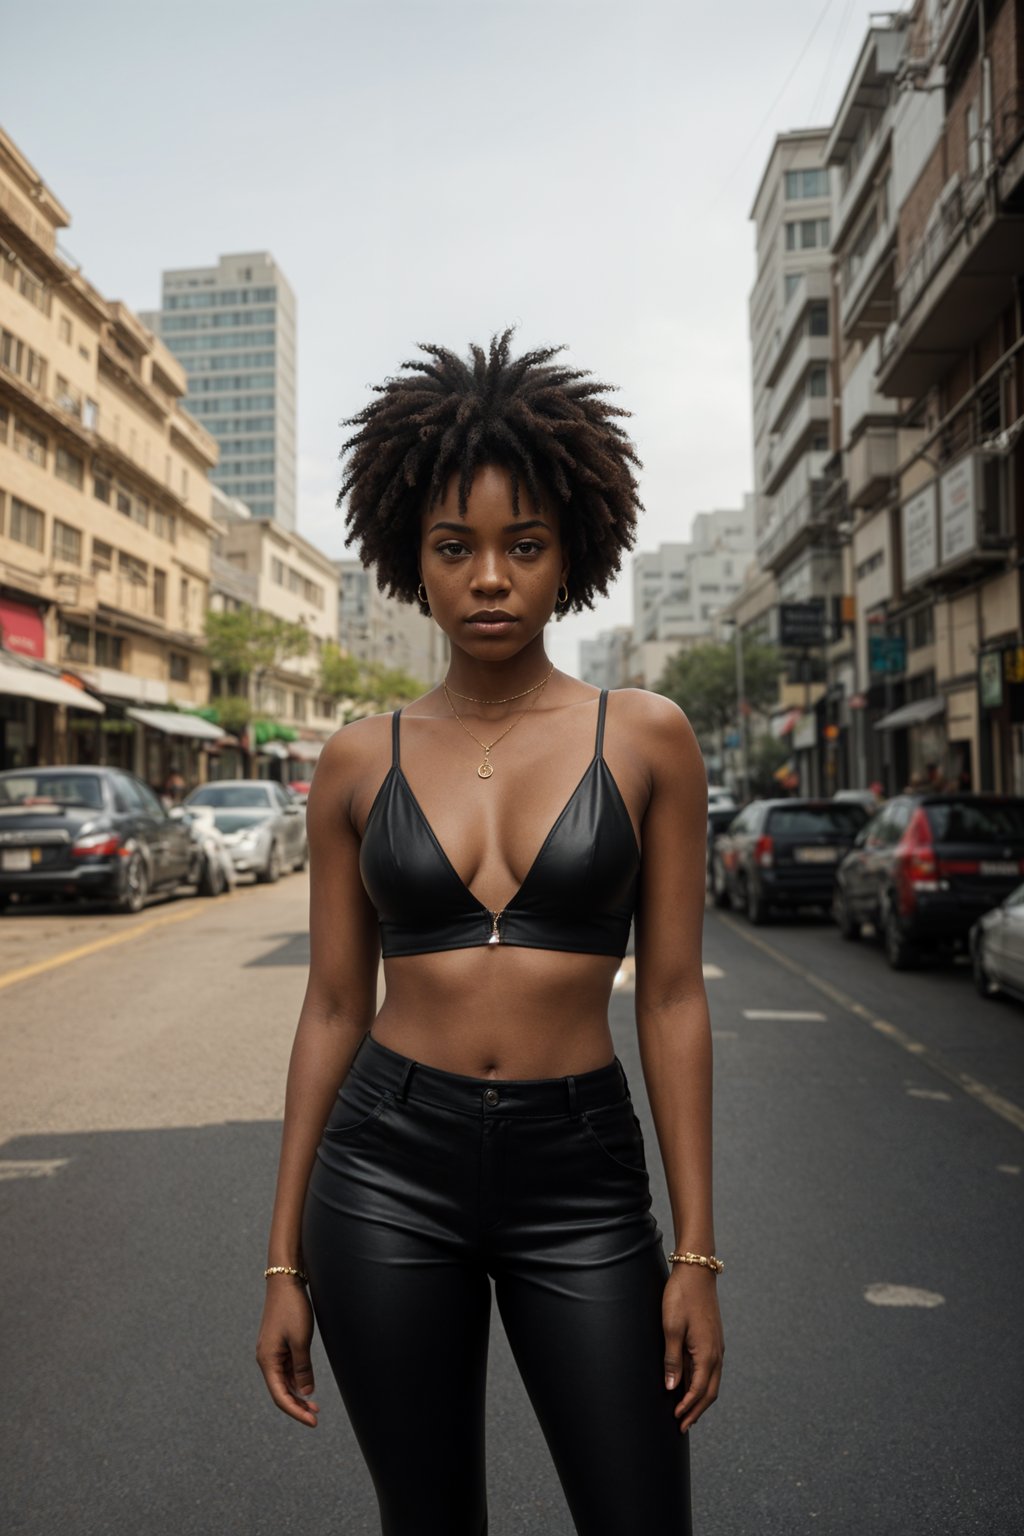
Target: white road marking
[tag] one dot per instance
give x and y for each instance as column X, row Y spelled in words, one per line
column 930, row 1093
column 624, row 979
column 783, row 1013
column 884, row 1295
column 32, row 1168
column 1008, row 1168
column 713, row 972
column 724, row 1034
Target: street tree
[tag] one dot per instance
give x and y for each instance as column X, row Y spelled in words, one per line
column 701, row 679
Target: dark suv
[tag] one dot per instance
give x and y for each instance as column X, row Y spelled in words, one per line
column 926, row 867
column 97, row 833
column 783, row 853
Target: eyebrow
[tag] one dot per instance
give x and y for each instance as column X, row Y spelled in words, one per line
column 517, row 527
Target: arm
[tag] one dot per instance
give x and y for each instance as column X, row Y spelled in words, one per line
column 675, row 1041
column 337, row 1010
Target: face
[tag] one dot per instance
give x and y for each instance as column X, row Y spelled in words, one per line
column 491, row 578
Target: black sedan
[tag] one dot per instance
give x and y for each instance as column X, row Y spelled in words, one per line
column 783, row 853
column 927, row 867
column 91, row 833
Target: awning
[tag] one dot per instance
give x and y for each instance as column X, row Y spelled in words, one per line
column 33, row 683
column 273, row 749
column 174, row 724
column 781, row 725
column 915, row 713
column 305, row 751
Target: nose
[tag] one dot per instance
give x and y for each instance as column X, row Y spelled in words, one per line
column 489, row 575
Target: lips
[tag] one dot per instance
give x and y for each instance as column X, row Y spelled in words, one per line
column 491, row 616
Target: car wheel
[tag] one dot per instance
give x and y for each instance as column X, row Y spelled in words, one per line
column 757, row 907
column 271, row 871
column 847, row 924
column 899, row 951
column 303, row 858
column 984, row 984
column 136, row 885
column 719, row 887
column 211, row 881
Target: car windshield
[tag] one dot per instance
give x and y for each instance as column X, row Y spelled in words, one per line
column 231, row 796
column 237, row 821
column 976, row 821
column 42, row 789
column 844, row 819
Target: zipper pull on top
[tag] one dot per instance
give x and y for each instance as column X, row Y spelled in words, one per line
column 495, row 937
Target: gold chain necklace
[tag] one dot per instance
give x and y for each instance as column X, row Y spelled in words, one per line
column 511, row 698
column 486, row 768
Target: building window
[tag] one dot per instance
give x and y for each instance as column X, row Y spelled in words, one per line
column 817, row 319
column 133, row 570
column 27, row 525
column 803, row 184
column 64, row 330
column 19, row 359
column 18, row 277
column 29, row 443
column 102, row 486
column 109, row 651
column 160, row 593
column 973, row 138
column 808, row 235
column 68, row 398
column 179, row 667
column 68, row 466
column 4, row 423
column 277, row 571
column 67, row 543
column 299, row 702
column 183, row 599
column 74, row 641
column 102, row 557
column 790, row 283
column 817, row 382
column 164, row 525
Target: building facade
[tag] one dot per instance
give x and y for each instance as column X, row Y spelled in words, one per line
column 105, row 525
column 232, row 328
column 260, row 565
column 382, row 632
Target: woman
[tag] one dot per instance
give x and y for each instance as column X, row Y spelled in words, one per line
column 492, row 840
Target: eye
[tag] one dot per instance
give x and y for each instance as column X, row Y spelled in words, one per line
column 450, row 549
column 529, row 546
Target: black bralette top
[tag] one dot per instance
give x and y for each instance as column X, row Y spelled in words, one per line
column 578, row 894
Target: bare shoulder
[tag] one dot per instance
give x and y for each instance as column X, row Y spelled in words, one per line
column 352, row 755
column 654, row 719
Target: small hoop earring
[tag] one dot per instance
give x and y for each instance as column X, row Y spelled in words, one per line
column 421, row 593
column 563, row 602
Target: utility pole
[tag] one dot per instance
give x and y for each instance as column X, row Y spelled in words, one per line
column 741, row 711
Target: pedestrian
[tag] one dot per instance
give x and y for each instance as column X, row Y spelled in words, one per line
column 493, row 839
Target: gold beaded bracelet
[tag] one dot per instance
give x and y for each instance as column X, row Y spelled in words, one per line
column 707, row 1261
column 285, row 1269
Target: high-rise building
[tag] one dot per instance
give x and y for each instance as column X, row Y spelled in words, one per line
column 383, row 632
column 232, row 327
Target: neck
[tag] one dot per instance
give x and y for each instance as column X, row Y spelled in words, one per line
column 498, row 679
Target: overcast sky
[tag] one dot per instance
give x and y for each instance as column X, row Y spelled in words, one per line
column 437, row 169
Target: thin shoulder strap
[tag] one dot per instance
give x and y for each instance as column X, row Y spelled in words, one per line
column 599, row 744
column 394, row 738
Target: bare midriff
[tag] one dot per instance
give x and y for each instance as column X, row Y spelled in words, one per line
column 519, row 1012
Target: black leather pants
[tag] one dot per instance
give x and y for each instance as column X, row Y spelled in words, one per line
column 427, row 1185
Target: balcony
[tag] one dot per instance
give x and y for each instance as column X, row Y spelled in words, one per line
column 956, row 282
column 808, row 351
column 870, row 465
column 864, row 119
column 866, row 302
column 787, row 533
column 863, row 401
column 809, row 420
column 814, row 285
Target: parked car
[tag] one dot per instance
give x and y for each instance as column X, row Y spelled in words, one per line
column 263, row 827
column 997, row 948
column 719, row 818
column 927, row 867
column 98, row 834
column 783, row 853
column 865, row 797
column 300, row 789
column 216, row 872
column 720, row 798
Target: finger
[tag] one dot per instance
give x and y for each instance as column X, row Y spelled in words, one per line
column 692, row 1405
column 673, row 1360
column 277, row 1375
column 302, row 1371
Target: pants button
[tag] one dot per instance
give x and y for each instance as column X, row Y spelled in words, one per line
column 491, row 1096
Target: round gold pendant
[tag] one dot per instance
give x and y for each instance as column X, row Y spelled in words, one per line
column 485, row 770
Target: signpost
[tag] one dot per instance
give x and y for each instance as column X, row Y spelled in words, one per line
column 802, row 624
column 887, row 654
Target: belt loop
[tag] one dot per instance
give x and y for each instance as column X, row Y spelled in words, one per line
column 404, row 1084
column 570, row 1084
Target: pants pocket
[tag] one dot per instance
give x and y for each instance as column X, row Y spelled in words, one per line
column 359, row 1103
column 615, row 1129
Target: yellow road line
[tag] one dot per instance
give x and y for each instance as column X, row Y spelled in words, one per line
column 1006, row 1109
column 67, row 956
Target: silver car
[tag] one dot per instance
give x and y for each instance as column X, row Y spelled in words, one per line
column 997, row 948
column 263, row 829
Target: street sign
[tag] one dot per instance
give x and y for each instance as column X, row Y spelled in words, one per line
column 887, row 653
column 802, row 624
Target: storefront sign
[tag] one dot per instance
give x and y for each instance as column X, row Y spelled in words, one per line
column 1013, row 664
column 990, row 679
column 805, row 733
column 21, row 629
column 958, row 508
column 920, row 535
column 802, row 624
column 886, row 653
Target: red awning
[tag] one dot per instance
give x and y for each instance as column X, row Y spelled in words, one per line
column 21, row 628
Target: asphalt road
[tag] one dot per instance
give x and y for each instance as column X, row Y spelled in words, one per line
column 868, row 1134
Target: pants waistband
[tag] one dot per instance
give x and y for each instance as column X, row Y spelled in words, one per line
column 525, row 1096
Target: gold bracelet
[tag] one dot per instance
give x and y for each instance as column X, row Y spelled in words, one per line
column 707, row 1261
column 285, row 1269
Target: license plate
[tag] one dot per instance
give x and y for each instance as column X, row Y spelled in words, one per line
column 17, row 858
column 998, row 867
column 816, row 855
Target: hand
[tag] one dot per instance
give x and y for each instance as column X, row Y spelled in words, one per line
column 694, row 1345
column 282, row 1349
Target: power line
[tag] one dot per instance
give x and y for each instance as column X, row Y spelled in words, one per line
column 782, row 91
column 844, row 22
